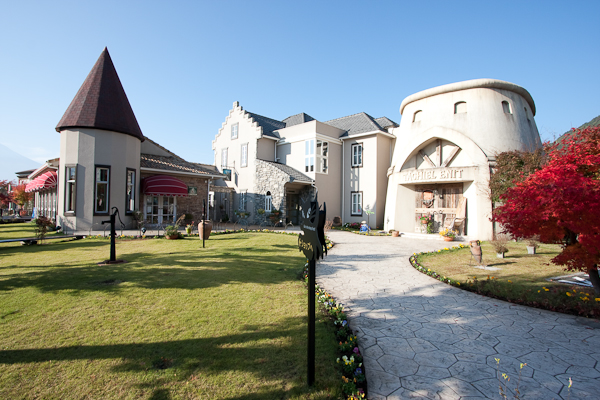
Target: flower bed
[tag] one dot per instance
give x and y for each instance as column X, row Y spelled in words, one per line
column 569, row 300
column 354, row 381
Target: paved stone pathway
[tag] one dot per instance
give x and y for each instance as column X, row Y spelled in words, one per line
column 421, row 338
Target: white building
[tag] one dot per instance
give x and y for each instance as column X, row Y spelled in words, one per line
column 446, row 146
column 272, row 163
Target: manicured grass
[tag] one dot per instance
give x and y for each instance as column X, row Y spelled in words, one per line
column 521, row 278
column 176, row 321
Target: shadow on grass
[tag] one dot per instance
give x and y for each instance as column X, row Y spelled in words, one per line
column 185, row 267
column 269, row 353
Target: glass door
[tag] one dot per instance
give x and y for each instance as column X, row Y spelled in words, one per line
column 160, row 209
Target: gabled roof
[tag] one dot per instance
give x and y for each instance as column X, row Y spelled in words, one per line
column 297, row 119
column 355, row 124
column 268, row 125
column 385, row 122
column 175, row 164
column 101, row 103
column 292, row 172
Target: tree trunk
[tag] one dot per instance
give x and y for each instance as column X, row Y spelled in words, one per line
column 595, row 279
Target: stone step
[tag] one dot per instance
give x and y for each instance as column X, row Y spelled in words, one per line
column 434, row 236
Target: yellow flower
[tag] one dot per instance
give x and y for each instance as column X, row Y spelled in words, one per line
column 597, row 298
column 538, row 291
column 568, row 294
column 509, row 281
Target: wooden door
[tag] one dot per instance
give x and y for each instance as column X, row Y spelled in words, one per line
column 441, row 201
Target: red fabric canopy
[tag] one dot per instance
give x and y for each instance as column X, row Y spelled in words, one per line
column 47, row 180
column 164, row 185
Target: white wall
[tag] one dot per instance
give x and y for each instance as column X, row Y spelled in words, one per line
column 88, row 148
column 481, row 133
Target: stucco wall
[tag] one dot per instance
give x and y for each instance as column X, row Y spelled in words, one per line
column 89, row 148
column 483, row 131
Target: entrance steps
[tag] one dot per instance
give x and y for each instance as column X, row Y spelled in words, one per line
column 434, row 236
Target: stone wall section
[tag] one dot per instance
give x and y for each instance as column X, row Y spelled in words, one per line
column 269, row 179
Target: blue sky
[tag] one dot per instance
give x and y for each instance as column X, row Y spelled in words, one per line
column 183, row 64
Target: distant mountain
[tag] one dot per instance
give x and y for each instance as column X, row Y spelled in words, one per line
column 11, row 162
column 593, row 122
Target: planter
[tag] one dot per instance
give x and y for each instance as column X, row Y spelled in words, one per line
column 204, row 229
column 530, row 249
column 500, row 255
column 188, row 231
column 424, row 221
column 395, row 233
column 448, row 239
column 172, row 237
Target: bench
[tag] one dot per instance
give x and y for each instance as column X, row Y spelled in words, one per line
column 29, row 241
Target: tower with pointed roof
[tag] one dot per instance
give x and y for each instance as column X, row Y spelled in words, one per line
column 100, row 142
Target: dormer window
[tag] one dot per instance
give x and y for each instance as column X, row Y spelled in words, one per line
column 460, row 107
column 417, row 116
column 506, row 107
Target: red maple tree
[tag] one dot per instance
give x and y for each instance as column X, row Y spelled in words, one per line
column 560, row 203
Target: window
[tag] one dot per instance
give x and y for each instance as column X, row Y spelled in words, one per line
column 460, row 107
column 101, row 186
column 224, row 157
column 417, row 116
column 526, row 113
column 130, row 192
column 356, row 203
column 70, row 188
column 244, row 157
column 357, row 151
column 234, row 131
column 322, row 156
column 506, row 107
column 309, row 155
column 268, row 202
column 243, row 201
column 211, row 199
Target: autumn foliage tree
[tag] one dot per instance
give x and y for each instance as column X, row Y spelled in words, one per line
column 20, row 196
column 560, row 202
column 5, row 195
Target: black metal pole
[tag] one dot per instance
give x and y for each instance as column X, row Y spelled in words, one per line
column 113, row 234
column 311, row 323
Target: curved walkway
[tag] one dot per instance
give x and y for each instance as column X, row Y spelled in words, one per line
column 421, row 338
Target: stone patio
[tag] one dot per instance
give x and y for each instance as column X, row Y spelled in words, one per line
column 424, row 339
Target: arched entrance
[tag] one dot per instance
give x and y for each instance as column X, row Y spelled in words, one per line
column 441, row 201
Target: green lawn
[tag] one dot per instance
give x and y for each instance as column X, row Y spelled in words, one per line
column 520, row 277
column 175, row 322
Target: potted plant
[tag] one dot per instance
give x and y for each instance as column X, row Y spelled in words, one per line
column 448, row 234
column 189, row 227
column 532, row 244
column 172, row 231
column 425, row 219
column 499, row 244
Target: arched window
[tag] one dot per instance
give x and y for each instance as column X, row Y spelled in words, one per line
column 506, row 107
column 268, row 202
column 526, row 113
column 417, row 116
column 460, row 107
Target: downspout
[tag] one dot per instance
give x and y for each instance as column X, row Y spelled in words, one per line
column 208, row 198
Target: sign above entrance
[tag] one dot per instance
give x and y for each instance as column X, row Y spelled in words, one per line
column 439, row 174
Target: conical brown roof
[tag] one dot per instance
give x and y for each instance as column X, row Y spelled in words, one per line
column 101, row 103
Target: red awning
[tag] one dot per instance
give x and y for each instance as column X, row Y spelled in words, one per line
column 164, row 185
column 47, row 180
